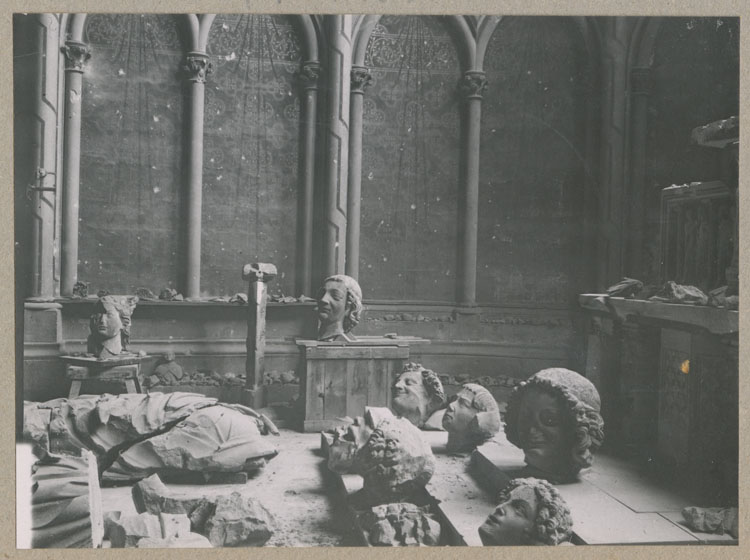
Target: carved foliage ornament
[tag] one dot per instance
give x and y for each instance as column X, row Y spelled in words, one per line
column 197, row 67
column 309, row 74
column 76, row 55
column 472, row 85
column 361, row 79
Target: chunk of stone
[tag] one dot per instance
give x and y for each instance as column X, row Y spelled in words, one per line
column 400, row 524
column 110, row 518
column 152, row 496
column 239, row 521
column 36, row 424
column 174, row 524
column 129, row 529
column 712, row 520
column 672, row 292
column 190, row 540
column 627, row 287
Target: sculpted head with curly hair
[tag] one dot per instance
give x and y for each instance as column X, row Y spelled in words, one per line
column 472, row 417
column 339, row 308
column 417, row 394
column 530, row 512
column 555, row 418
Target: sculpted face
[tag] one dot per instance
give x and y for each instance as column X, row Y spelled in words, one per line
column 332, row 304
column 543, row 430
column 512, row 522
column 410, row 397
column 108, row 323
column 459, row 413
column 348, row 440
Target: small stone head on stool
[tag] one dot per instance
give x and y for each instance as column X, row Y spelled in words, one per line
column 110, row 326
column 530, row 512
column 554, row 417
column 339, row 308
column 472, row 418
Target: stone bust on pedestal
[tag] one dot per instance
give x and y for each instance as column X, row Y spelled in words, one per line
column 110, row 326
column 339, row 308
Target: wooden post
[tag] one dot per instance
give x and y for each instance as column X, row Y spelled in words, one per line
column 76, row 55
column 361, row 78
column 472, row 86
column 258, row 275
column 308, row 77
column 196, row 67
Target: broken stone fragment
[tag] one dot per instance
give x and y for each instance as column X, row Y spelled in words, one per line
column 80, row 290
column 239, row 521
column 400, row 524
column 174, row 524
column 190, row 540
column 129, row 529
column 36, row 424
column 145, row 293
column 152, row 496
column 672, row 292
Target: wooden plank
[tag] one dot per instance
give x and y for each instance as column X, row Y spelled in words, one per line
column 335, row 390
column 377, row 384
column 315, row 388
column 358, row 378
column 355, row 352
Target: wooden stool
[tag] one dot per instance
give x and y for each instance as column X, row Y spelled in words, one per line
column 117, row 370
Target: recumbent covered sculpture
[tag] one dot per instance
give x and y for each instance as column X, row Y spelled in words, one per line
column 339, row 308
column 387, row 451
column 417, row 394
column 472, row 418
column 554, row 416
column 135, row 435
column 530, row 512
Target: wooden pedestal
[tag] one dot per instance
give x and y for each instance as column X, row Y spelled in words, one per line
column 125, row 370
column 341, row 379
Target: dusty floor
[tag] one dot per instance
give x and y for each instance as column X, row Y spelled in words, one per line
column 292, row 486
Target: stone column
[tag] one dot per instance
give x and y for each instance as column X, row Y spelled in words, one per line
column 640, row 88
column 308, row 77
column 258, row 275
column 196, row 67
column 472, row 85
column 361, row 78
column 76, row 56
column 337, row 142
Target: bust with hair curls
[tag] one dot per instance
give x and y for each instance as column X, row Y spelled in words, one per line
column 472, row 417
column 530, row 512
column 417, row 394
column 339, row 308
column 554, row 416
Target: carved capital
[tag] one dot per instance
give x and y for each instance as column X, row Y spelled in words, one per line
column 308, row 75
column 76, row 55
column 196, row 67
column 640, row 81
column 472, row 85
column 361, row 79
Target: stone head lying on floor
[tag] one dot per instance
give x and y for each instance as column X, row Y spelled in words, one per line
column 417, row 394
column 387, row 451
column 530, row 512
column 136, row 435
column 472, row 417
column 554, row 416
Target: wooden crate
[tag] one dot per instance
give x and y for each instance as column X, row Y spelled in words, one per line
column 341, row 379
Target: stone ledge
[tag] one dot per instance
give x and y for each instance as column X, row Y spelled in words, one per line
column 714, row 320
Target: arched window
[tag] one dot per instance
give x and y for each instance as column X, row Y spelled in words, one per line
column 410, row 155
column 250, row 162
column 532, row 164
column 131, row 153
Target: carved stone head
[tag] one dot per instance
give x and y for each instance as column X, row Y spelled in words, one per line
column 530, row 512
column 471, row 419
column 110, row 326
column 339, row 307
column 417, row 394
column 388, row 452
column 554, row 417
